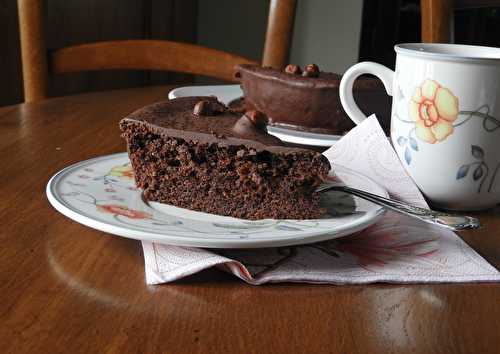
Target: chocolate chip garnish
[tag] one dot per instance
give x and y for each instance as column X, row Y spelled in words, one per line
column 293, row 69
column 202, row 108
column 208, row 108
column 218, row 107
column 258, row 118
column 311, row 70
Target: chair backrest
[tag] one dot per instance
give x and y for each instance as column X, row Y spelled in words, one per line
column 139, row 54
column 437, row 17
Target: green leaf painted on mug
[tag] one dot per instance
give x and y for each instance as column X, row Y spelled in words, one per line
column 477, row 152
column 478, row 173
column 407, row 156
column 462, row 171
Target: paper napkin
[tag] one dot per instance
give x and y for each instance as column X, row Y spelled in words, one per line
column 397, row 249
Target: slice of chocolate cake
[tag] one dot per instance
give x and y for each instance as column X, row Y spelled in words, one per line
column 195, row 153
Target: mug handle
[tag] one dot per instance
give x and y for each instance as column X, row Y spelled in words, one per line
column 386, row 75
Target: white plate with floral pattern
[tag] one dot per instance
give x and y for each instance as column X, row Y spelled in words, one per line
column 228, row 93
column 101, row 193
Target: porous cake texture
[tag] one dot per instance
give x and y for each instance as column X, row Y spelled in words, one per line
column 195, row 153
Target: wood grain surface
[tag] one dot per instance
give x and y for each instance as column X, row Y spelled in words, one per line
column 66, row 288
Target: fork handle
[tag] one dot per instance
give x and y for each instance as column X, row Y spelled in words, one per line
column 453, row 222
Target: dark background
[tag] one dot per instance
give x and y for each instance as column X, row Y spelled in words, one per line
column 74, row 22
column 387, row 22
column 384, row 23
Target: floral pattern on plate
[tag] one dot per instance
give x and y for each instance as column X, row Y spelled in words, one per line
column 101, row 193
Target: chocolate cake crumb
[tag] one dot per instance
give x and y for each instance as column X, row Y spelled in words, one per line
column 177, row 160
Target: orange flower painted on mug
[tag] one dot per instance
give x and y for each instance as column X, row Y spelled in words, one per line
column 123, row 211
column 434, row 109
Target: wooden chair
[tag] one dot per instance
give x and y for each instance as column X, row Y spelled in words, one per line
column 139, row 54
column 437, row 17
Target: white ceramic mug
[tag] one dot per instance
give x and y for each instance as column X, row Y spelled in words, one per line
column 445, row 122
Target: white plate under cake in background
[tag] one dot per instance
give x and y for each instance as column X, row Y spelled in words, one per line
column 228, row 93
column 101, row 193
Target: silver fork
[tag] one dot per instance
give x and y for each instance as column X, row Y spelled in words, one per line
column 453, row 222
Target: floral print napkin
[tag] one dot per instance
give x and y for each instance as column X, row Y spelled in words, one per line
column 396, row 250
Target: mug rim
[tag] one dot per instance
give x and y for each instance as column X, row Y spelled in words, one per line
column 446, row 51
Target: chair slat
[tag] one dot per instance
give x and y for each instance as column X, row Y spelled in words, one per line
column 146, row 55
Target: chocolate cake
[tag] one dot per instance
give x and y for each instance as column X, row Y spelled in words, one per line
column 308, row 99
column 195, row 153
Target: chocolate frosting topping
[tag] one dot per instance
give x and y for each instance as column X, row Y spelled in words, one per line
column 245, row 127
column 323, row 80
column 309, row 102
column 175, row 118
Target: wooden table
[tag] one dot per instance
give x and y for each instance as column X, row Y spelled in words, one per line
column 69, row 288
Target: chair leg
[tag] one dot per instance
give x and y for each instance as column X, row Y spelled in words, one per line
column 33, row 49
column 279, row 33
column 436, row 20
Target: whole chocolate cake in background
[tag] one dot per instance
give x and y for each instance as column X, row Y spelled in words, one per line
column 308, row 99
column 195, row 153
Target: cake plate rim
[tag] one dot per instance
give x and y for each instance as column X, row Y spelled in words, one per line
column 99, row 194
